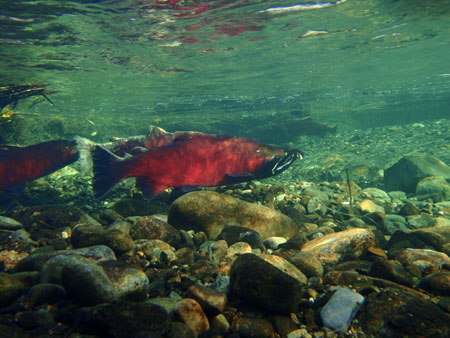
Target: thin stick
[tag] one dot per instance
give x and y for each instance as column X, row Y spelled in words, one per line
column 349, row 189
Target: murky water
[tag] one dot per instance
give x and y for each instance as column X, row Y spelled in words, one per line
column 353, row 63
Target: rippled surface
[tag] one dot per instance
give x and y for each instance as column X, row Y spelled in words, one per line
column 352, row 59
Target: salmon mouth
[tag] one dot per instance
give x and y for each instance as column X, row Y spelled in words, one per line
column 281, row 163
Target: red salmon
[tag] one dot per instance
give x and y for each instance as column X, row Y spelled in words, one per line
column 191, row 159
column 19, row 165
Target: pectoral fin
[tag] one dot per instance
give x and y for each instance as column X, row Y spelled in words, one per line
column 233, row 179
column 150, row 188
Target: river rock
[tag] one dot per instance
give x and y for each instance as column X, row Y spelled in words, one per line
column 239, row 248
column 214, row 250
column 384, row 315
column 34, row 262
column 91, row 283
column 211, row 212
column 409, row 209
column 437, row 283
column 433, row 187
column 55, row 218
column 393, row 223
column 151, row 227
column 234, row 234
column 409, row 170
column 282, row 287
column 155, row 248
column 7, row 223
column 31, row 320
column 13, row 285
column 391, row 270
column 308, row 263
column 253, row 327
column 211, row 301
column 191, row 313
column 337, row 247
column 135, row 207
column 122, row 319
column 339, row 311
column 429, row 238
column 88, row 235
column 424, row 259
column 45, row 294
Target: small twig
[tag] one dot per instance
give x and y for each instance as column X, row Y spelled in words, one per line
column 349, row 189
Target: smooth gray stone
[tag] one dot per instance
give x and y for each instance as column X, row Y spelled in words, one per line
column 340, row 310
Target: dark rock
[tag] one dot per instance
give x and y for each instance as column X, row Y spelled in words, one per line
column 221, row 284
column 157, row 251
column 283, row 325
column 7, row 223
column 45, row 294
column 337, row 247
column 86, row 235
column 109, row 216
column 339, row 311
column 211, row 301
column 187, row 240
column 123, row 319
column 184, row 256
column 214, row 250
column 34, row 319
column 233, row 234
column 409, row 170
column 425, row 259
column 273, row 243
column 420, row 221
column 14, row 285
column 34, row 262
column 419, row 239
column 393, row 313
column 409, row 209
column 210, row 212
column 374, row 218
column 46, row 222
column 296, row 212
column 168, row 304
column 393, row 223
column 437, row 283
column 359, row 266
column 267, row 281
column 433, row 187
column 150, row 227
column 134, row 207
column 191, row 313
column 180, row 329
column 220, row 325
column 91, row 283
column 391, row 270
column 253, row 327
column 204, row 270
column 296, row 242
column 359, row 282
column 13, row 331
column 308, row 263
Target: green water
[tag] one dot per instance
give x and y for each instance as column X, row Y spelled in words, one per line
column 367, row 62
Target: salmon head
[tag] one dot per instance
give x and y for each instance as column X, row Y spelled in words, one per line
column 270, row 161
column 64, row 152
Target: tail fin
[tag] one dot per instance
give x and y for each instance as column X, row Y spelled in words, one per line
column 104, row 176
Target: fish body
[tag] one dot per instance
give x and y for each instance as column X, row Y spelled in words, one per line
column 191, row 160
column 19, row 165
column 156, row 137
